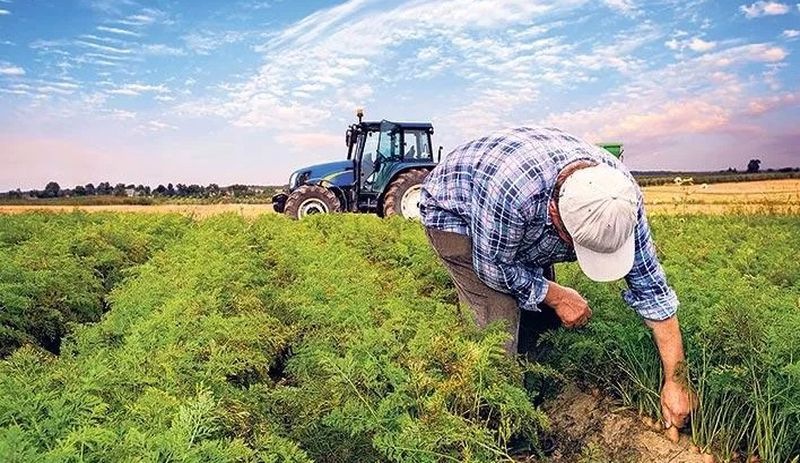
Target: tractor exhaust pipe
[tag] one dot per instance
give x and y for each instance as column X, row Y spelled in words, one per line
column 359, row 114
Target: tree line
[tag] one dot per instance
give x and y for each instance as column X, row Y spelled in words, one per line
column 179, row 190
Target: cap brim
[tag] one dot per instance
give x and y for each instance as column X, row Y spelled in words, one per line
column 607, row 266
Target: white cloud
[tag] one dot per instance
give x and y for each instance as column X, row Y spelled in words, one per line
column 8, row 69
column 624, row 6
column 157, row 126
column 121, row 114
column 159, row 49
column 145, row 18
column 118, row 31
column 4, row 12
column 106, row 48
column 135, row 89
column 701, row 46
column 764, row 8
column 104, row 39
column 341, row 47
column 791, row 33
column 206, row 41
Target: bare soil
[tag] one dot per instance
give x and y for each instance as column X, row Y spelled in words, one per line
column 591, row 428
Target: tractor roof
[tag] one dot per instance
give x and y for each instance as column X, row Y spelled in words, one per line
column 375, row 125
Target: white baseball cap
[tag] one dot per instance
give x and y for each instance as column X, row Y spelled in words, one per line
column 599, row 206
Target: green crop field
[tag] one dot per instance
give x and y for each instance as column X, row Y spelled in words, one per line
column 155, row 337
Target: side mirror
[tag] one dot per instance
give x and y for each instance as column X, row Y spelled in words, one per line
column 347, row 135
column 440, row 153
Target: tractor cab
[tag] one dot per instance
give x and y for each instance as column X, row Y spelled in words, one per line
column 383, row 173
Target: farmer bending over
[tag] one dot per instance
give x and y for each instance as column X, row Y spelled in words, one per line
column 500, row 210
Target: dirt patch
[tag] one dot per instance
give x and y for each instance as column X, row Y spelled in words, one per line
column 590, row 428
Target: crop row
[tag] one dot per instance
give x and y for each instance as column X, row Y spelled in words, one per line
column 339, row 339
column 55, row 269
column 271, row 341
column 738, row 279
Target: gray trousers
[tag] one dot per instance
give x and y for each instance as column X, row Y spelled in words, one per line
column 486, row 304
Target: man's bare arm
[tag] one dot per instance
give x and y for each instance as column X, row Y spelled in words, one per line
column 676, row 400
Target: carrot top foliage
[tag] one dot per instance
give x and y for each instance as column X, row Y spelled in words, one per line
column 339, row 339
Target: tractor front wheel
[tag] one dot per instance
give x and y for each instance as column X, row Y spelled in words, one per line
column 309, row 200
column 403, row 196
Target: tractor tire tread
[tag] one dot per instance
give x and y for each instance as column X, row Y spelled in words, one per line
column 302, row 193
column 394, row 193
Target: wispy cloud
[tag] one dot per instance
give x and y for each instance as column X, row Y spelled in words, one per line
column 104, row 39
column 699, row 45
column 625, row 6
column 204, row 42
column 8, row 69
column 146, row 17
column 157, row 126
column 4, row 12
column 764, row 8
column 135, row 89
column 116, row 30
column 106, row 48
column 790, row 33
column 160, row 49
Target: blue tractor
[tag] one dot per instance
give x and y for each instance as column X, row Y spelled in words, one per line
column 385, row 167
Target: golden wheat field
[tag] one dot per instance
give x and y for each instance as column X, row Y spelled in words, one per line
column 776, row 196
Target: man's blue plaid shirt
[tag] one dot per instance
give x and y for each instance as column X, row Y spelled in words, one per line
column 496, row 190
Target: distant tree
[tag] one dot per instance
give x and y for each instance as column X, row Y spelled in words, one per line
column 180, row 190
column 79, row 190
column 753, row 166
column 195, row 190
column 212, row 189
column 170, row 190
column 238, row 190
column 104, row 188
column 16, row 194
column 732, row 170
column 51, row 190
column 161, row 190
column 119, row 189
column 90, row 190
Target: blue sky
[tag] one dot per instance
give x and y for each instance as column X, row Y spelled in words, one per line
column 245, row 91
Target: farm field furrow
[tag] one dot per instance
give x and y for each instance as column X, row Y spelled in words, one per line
column 339, row 339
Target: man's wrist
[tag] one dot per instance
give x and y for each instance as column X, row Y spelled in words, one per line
column 554, row 294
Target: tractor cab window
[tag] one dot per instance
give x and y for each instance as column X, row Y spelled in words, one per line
column 416, row 145
column 370, row 146
column 389, row 142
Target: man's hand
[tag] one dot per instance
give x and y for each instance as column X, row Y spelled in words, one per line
column 676, row 403
column 676, row 398
column 571, row 307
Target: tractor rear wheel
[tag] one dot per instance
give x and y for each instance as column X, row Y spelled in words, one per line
column 403, row 195
column 309, row 200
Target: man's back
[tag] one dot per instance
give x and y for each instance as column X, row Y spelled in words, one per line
column 514, row 168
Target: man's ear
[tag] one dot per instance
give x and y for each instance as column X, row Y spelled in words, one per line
column 552, row 209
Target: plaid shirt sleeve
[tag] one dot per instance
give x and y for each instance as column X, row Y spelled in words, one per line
column 648, row 292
